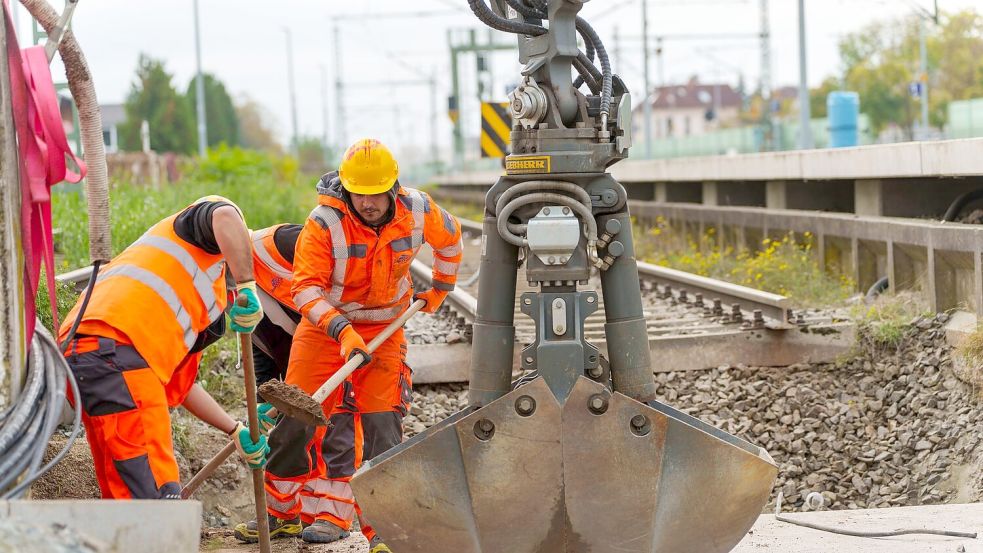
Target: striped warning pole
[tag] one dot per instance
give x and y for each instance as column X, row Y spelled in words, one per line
column 496, row 128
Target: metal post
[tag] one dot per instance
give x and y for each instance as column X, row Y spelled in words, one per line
column 805, row 132
column 647, row 106
column 200, row 91
column 764, row 83
column 324, row 105
column 339, row 100
column 434, row 109
column 456, row 93
column 12, row 316
column 923, row 77
column 293, row 92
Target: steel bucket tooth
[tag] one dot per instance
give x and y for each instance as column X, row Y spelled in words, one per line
column 600, row 473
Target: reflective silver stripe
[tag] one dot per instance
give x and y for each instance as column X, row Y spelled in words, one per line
column 419, row 206
column 264, row 254
column 402, row 244
column 203, row 282
column 339, row 244
column 328, row 497
column 443, row 286
column 350, row 306
column 215, row 270
column 380, row 314
column 280, row 506
column 273, row 311
column 318, row 311
column 308, row 295
column 446, row 267
column 162, row 289
column 285, row 488
column 452, row 251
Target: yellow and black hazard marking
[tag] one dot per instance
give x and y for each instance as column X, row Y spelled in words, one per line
column 496, row 128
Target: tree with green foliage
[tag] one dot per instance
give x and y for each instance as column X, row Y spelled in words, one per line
column 313, row 156
column 256, row 126
column 817, row 96
column 882, row 60
column 154, row 99
column 220, row 114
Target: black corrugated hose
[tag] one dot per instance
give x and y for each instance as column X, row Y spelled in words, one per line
column 488, row 17
column 27, row 425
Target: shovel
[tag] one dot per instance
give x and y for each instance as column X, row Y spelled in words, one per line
column 259, row 491
column 295, row 403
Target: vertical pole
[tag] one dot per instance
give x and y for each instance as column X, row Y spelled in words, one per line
column 764, row 84
column 923, row 77
column 339, row 100
column 324, row 106
column 293, row 92
column 805, row 132
column 456, row 93
column 200, row 90
column 434, row 151
column 647, row 106
column 13, row 332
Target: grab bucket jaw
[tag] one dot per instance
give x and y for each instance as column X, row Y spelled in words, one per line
column 599, row 473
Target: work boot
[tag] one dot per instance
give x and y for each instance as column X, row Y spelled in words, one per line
column 376, row 546
column 323, row 531
column 248, row 532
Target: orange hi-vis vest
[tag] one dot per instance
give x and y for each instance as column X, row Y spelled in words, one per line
column 273, row 273
column 157, row 295
column 346, row 271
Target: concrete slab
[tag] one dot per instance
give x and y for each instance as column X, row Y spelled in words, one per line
column 771, row 536
column 123, row 526
column 439, row 363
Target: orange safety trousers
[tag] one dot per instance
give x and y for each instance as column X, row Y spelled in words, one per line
column 310, row 468
column 126, row 417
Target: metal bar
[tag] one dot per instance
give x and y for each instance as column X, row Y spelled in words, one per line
column 771, row 305
column 459, row 300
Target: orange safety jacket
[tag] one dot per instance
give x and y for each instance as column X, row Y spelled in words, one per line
column 346, row 271
column 273, row 273
column 157, row 295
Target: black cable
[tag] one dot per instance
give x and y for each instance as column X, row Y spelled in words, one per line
column 602, row 55
column 584, row 67
column 488, row 17
column 85, row 303
column 877, row 288
column 865, row 534
column 525, row 10
column 957, row 205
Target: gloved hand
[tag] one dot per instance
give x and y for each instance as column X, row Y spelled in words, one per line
column 351, row 343
column 266, row 421
column 246, row 317
column 433, row 297
column 254, row 453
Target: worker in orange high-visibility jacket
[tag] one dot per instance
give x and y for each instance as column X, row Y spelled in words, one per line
column 273, row 266
column 351, row 279
column 153, row 309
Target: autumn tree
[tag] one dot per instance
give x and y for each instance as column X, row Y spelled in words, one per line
column 256, row 126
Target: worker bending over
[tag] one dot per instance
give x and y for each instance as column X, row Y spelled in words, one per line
column 351, row 279
column 153, row 309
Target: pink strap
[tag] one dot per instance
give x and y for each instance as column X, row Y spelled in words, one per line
column 42, row 146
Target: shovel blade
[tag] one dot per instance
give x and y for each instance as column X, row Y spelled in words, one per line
column 602, row 472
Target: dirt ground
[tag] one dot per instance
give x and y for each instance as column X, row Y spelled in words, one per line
column 220, row 540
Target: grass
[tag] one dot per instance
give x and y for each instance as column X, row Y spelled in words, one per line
column 887, row 321
column 268, row 190
column 786, row 265
column 970, row 353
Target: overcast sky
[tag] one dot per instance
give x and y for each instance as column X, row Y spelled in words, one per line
column 244, row 44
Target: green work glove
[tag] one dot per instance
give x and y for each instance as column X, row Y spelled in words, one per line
column 253, row 453
column 266, row 421
column 246, row 317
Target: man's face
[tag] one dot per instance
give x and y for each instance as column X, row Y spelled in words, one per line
column 372, row 207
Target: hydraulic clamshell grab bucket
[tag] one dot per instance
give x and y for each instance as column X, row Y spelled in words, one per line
column 600, row 473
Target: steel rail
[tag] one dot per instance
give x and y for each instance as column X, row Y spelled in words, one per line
column 458, row 300
column 772, row 306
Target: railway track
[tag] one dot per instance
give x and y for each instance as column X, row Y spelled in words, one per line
column 694, row 322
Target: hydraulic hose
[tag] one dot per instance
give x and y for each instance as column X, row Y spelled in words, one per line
column 526, row 10
column 606, row 74
column 588, row 74
column 543, row 186
column 488, row 17
column 545, row 197
column 877, row 288
column 85, row 303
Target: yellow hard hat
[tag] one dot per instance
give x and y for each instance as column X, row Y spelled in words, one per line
column 368, row 167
